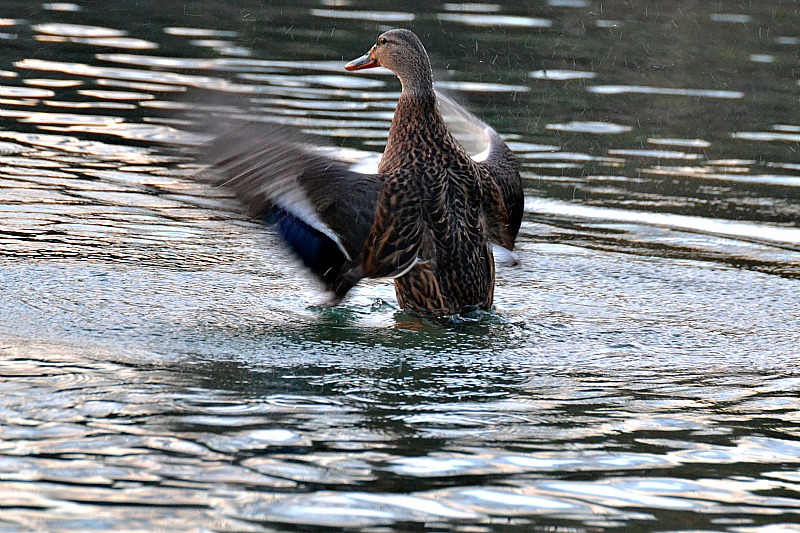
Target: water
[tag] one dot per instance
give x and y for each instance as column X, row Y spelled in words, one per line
column 165, row 366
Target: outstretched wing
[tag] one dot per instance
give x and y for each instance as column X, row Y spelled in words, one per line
column 505, row 202
column 320, row 208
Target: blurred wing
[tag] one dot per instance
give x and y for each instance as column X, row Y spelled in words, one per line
column 320, row 208
column 505, row 202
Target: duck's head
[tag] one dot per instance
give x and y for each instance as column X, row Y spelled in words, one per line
column 401, row 52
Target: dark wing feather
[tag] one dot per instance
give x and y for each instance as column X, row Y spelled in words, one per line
column 505, row 203
column 320, row 208
column 507, row 210
column 315, row 249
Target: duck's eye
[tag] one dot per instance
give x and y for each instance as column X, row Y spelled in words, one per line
column 383, row 40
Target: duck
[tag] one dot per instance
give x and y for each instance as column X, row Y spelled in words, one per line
column 428, row 219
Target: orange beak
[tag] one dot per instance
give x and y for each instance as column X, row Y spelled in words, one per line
column 366, row 61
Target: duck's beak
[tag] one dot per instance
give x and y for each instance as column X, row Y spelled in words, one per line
column 368, row 60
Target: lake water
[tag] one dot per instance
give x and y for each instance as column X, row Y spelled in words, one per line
column 165, row 366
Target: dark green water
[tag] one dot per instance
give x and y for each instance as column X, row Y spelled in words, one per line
column 164, row 364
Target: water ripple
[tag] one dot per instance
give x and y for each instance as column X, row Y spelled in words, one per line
column 590, row 127
column 495, row 20
column 77, row 30
column 562, row 75
column 169, row 78
column 705, row 93
column 378, row 16
column 25, row 92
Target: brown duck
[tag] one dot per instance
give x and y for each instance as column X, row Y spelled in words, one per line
column 428, row 218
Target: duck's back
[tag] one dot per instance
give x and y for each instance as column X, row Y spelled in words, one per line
column 437, row 197
column 434, row 192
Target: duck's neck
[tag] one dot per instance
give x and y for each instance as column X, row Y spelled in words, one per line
column 417, row 127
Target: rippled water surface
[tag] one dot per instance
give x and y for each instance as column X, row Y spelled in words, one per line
column 165, row 366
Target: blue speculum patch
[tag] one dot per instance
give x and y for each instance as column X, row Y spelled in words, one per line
column 317, row 251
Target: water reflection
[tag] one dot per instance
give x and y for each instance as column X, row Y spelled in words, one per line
column 701, row 93
column 495, row 20
column 306, row 459
column 375, row 16
column 163, row 363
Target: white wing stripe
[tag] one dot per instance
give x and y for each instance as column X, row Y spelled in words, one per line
column 296, row 203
